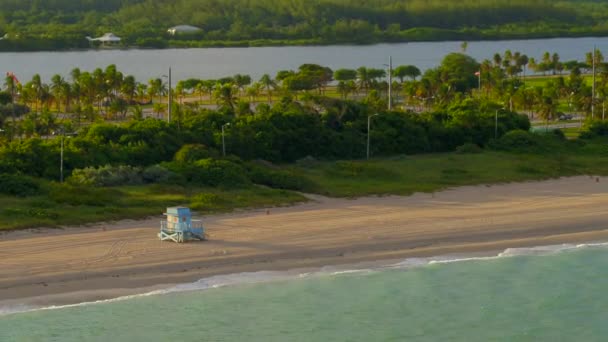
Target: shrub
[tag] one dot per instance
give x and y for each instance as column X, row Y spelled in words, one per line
column 516, row 140
column 211, row 172
column 468, row 148
column 193, row 152
column 219, row 173
column 17, row 185
column 279, row 179
column 107, row 176
column 359, row 169
column 596, row 129
column 559, row 134
column 156, row 174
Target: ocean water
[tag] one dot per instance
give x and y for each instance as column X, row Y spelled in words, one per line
column 557, row 293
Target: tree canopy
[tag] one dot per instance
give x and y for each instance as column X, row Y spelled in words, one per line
column 56, row 24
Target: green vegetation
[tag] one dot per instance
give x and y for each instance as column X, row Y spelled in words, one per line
column 75, row 205
column 64, row 24
column 515, row 157
column 308, row 133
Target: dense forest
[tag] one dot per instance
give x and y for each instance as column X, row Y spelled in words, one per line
column 63, row 24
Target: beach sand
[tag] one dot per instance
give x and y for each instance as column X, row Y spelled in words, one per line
column 61, row 266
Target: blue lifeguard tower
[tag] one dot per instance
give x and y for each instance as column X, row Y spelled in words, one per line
column 180, row 227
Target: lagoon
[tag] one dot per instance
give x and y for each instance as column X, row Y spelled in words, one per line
column 210, row 63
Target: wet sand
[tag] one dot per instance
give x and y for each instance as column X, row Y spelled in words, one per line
column 76, row 264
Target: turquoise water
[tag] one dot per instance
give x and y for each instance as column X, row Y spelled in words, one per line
column 546, row 294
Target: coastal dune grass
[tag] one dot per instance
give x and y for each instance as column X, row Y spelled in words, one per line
column 428, row 173
column 67, row 205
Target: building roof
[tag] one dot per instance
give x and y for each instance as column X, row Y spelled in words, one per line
column 108, row 37
column 183, row 29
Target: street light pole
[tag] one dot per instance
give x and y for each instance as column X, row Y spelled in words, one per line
column 170, row 98
column 223, row 140
column 496, row 125
column 61, row 161
column 369, row 120
column 61, row 137
column 593, row 86
column 390, row 83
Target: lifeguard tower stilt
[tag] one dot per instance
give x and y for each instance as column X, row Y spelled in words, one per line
column 180, row 227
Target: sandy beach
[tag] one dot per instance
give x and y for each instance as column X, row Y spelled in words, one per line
column 59, row 266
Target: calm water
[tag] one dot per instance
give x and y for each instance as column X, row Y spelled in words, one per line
column 537, row 294
column 217, row 62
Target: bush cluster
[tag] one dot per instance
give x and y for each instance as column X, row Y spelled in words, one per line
column 119, row 175
column 18, row 185
column 277, row 178
column 210, row 172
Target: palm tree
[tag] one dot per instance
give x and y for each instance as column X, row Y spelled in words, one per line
column 224, row 95
column 10, row 83
column 129, row 88
column 141, row 91
column 240, row 81
column 75, row 74
column 200, row 90
column 346, row 87
column 156, row 87
column 253, row 90
column 363, row 79
column 268, row 83
column 36, row 86
column 58, row 90
column 547, row 108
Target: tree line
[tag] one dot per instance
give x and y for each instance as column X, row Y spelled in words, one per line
column 299, row 113
column 36, row 107
column 62, row 24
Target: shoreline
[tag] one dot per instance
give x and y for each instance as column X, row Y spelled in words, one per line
column 100, row 296
column 314, row 42
column 102, row 262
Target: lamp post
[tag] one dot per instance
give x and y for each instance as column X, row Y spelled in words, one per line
column 496, row 122
column 390, row 82
column 369, row 120
column 496, row 125
column 223, row 140
column 169, row 96
column 62, row 134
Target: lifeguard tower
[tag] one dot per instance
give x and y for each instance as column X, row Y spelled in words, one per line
column 180, row 227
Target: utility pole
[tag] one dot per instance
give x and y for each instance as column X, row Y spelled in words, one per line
column 496, row 125
column 170, row 98
column 369, row 120
column 390, row 83
column 593, row 87
column 224, row 141
column 62, row 135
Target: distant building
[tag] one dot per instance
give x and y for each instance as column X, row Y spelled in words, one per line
column 108, row 38
column 183, row 29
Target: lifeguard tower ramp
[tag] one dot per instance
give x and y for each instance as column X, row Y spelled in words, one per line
column 180, row 227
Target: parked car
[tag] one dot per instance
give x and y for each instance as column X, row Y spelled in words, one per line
column 563, row 117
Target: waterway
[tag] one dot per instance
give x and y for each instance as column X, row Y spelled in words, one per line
column 210, row 63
